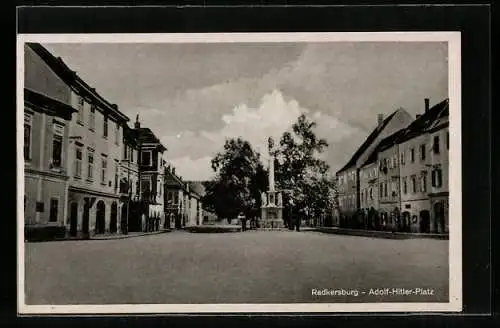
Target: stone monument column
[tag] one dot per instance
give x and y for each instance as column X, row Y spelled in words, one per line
column 272, row 209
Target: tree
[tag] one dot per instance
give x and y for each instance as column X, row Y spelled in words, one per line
column 301, row 171
column 238, row 180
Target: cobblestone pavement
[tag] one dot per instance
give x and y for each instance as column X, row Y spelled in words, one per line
column 249, row 267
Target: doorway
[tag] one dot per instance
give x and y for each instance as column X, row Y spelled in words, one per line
column 100, row 217
column 439, row 217
column 113, row 222
column 73, row 223
column 86, row 218
column 425, row 220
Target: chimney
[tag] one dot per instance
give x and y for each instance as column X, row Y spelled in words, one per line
column 137, row 125
column 115, row 106
column 426, row 104
column 173, row 170
column 380, row 119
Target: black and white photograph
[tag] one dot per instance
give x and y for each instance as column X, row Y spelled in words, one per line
column 239, row 172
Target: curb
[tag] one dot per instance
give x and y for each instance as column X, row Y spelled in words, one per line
column 381, row 234
column 129, row 235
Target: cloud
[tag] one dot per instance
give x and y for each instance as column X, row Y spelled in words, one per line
column 271, row 118
column 193, row 169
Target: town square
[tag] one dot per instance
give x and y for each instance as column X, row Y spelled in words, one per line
column 169, row 173
column 242, row 267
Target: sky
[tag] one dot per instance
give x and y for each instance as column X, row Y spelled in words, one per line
column 194, row 96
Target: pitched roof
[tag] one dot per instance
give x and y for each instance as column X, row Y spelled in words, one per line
column 145, row 135
column 368, row 141
column 418, row 127
column 72, row 79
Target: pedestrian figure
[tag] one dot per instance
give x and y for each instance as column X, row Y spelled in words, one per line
column 243, row 220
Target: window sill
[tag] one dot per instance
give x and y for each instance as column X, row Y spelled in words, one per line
column 104, row 184
column 77, row 177
column 92, row 129
column 90, row 180
column 80, row 123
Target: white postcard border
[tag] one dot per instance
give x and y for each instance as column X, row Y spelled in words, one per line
column 455, row 188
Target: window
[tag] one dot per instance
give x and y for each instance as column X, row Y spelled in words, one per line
column 117, row 134
column 54, row 204
column 435, row 146
column 57, row 145
column 447, row 140
column 422, row 152
column 371, row 193
column 412, row 155
column 81, row 104
column 92, row 118
column 413, row 184
column 104, row 169
column 132, row 152
column 381, row 192
column 146, row 158
column 385, row 189
column 125, row 152
column 423, row 182
column 437, row 178
column 90, row 167
column 105, row 127
column 78, row 162
column 28, row 121
column 116, row 175
column 403, row 158
column 405, row 186
column 146, row 184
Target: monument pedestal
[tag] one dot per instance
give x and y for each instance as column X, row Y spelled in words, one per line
column 272, row 211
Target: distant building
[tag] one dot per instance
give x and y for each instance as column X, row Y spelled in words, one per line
column 174, row 199
column 348, row 181
column 47, row 116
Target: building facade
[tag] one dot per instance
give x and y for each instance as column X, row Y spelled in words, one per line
column 129, row 181
column 47, row 113
column 151, row 176
column 439, row 172
column 348, row 180
column 369, row 194
column 174, row 199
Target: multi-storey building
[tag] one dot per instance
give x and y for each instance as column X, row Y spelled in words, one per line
column 95, row 147
column 151, row 175
column 439, row 169
column 388, row 181
column 348, row 182
column 174, row 199
column 412, row 162
column 368, row 178
column 47, row 113
column 195, row 214
column 129, row 181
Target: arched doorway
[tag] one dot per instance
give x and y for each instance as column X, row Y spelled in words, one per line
column 439, row 217
column 425, row 219
column 100, row 223
column 86, row 218
column 113, row 222
column 73, row 219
